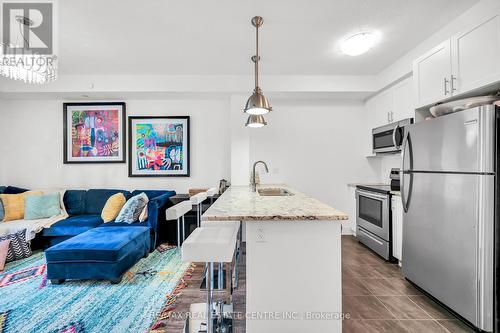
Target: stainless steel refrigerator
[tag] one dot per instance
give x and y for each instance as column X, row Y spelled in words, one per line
column 448, row 191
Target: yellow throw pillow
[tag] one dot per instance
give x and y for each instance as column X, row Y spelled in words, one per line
column 112, row 207
column 13, row 205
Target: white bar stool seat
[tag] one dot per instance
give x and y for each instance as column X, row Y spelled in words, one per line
column 233, row 225
column 211, row 192
column 210, row 245
column 177, row 212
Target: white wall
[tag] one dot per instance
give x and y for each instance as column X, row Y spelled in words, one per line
column 314, row 147
column 32, row 140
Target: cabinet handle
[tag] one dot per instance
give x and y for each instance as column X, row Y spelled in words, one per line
column 446, row 91
column 392, row 116
column 388, row 117
column 453, row 80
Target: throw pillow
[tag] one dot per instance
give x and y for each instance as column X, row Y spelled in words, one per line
column 2, row 212
column 13, row 205
column 61, row 193
column 18, row 247
column 144, row 215
column 133, row 208
column 42, row 206
column 4, row 249
column 113, row 207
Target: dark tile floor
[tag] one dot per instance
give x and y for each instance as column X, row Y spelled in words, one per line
column 375, row 295
column 379, row 299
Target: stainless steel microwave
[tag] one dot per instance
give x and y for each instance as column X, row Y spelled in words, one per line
column 389, row 138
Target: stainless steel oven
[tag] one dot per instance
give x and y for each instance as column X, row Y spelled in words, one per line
column 389, row 138
column 373, row 218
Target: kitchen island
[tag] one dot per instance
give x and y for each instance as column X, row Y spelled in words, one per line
column 293, row 258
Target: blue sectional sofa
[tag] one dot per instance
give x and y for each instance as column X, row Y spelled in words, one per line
column 85, row 206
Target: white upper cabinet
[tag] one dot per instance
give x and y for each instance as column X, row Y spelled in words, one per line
column 384, row 108
column 432, row 75
column 404, row 106
column 461, row 64
column 476, row 54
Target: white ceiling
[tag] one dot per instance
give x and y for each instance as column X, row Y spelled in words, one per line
column 216, row 37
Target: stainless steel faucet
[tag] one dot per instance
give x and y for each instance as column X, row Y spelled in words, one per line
column 254, row 183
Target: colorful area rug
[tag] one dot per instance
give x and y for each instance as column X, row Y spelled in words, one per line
column 29, row 303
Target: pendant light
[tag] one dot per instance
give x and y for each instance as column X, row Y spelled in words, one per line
column 256, row 121
column 257, row 104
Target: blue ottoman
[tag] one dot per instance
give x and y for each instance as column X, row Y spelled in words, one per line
column 100, row 254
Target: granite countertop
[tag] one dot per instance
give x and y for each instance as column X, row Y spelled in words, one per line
column 239, row 203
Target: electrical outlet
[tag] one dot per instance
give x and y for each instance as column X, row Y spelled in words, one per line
column 260, row 235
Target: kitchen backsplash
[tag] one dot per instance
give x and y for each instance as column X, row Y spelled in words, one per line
column 388, row 162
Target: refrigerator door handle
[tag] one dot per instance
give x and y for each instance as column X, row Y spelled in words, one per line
column 406, row 143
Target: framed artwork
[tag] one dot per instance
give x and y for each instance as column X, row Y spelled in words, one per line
column 158, row 146
column 94, row 133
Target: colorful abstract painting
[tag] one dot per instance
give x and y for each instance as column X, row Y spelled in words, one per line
column 159, row 146
column 94, row 132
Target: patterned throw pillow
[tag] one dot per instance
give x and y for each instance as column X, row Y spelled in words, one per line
column 133, row 208
column 2, row 212
column 18, row 247
column 113, row 207
column 13, row 205
column 144, row 215
column 4, row 249
column 42, row 206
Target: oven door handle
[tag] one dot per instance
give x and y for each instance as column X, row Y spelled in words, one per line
column 372, row 195
column 394, row 137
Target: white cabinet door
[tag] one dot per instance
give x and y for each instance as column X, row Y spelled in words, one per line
column 384, row 107
column 397, row 227
column 432, row 74
column 404, row 106
column 476, row 54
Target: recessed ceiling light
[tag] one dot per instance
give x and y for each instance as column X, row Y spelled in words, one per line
column 359, row 43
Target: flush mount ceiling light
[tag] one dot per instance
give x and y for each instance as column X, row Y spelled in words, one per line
column 359, row 43
column 256, row 121
column 257, row 104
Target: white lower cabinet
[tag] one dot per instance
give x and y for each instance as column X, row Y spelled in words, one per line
column 397, row 227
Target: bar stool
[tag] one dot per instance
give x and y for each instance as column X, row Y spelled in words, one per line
column 209, row 245
column 211, row 192
column 177, row 212
column 236, row 226
column 197, row 200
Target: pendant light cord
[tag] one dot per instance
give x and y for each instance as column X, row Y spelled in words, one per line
column 256, row 61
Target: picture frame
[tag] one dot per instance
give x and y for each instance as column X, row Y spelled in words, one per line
column 94, row 132
column 159, row 146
